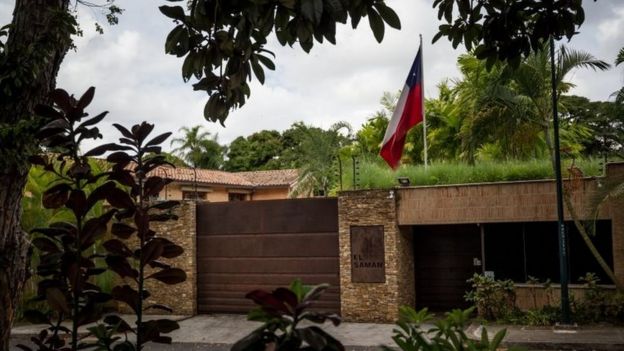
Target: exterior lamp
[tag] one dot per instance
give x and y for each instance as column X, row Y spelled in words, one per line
column 403, row 181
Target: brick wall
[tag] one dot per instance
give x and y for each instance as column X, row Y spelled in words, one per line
column 181, row 297
column 374, row 302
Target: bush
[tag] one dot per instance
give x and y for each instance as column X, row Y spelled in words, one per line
column 446, row 335
column 494, row 299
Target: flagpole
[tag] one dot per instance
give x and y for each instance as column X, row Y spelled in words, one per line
column 423, row 105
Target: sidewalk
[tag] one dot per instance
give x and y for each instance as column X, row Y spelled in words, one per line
column 597, row 338
column 227, row 329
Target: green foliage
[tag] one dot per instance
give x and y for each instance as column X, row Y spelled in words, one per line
column 199, row 149
column 259, row 151
column 281, row 313
column 598, row 305
column 136, row 155
column 446, row 335
column 619, row 95
column 493, row 298
column 375, row 175
column 223, row 42
column 507, row 30
column 66, row 267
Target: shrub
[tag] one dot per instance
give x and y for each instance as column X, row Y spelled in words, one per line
column 446, row 335
column 281, row 312
column 494, row 299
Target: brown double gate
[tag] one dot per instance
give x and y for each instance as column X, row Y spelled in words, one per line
column 249, row 245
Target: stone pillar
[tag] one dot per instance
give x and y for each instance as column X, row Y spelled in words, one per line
column 615, row 173
column 181, row 297
column 375, row 302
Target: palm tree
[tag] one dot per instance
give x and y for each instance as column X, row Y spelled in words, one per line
column 199, row 148
column 619, row 95
column 320, row 148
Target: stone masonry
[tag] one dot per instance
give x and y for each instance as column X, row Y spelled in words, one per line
column 181, row 297
column 374, row 302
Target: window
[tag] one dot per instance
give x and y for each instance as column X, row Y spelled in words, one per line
column 237, row 197
column 190, row 195
column 518, row 250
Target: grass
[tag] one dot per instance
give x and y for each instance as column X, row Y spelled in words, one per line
column 374, row 174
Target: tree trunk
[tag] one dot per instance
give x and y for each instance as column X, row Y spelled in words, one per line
column 38, row 41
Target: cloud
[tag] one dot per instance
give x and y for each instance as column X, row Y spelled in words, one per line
column 136, row 81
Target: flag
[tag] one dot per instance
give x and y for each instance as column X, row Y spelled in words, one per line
column 408, row 113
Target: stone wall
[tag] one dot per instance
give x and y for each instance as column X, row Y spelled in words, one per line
column 531, row 296
column 181, row 297
column 374, row 302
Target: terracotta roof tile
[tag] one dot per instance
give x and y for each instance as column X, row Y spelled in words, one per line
column 284, row 177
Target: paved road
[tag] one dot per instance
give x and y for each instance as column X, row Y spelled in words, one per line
column 187, row 346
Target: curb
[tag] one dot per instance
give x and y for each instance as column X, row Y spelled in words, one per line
column 474, row 333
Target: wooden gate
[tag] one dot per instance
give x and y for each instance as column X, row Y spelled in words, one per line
column 249, row 245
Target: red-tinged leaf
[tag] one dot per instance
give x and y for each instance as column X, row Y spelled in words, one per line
column 141, row 131
column 119, row 198
column 287, row 297
column 125, row 132
column 141, row 220
column 151, row 251
column 124, row 177
column 56, row 196
column 166, row 325
column 38, row 160
column 162, row 217
column 165, row 205
column 80, row 170
column 160, row 307
column 94, row 228
column 158, row 140
column 86, row 98
column 126, row 294
column 77, row 202
column 62, row 99
column 268, row 302
column 99, row 194
column 122, row 230
column 48, row 112
column 159, row 264
column 153, row 186
column 45, row 244
column 119, row 157
column 121, row 325
column 99, row 150
column 57, row 301
column 171, row 250
column 169, row 276
column 120, row 265
column 116, row 247
column 92, row 121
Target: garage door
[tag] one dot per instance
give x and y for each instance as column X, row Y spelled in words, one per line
column 242, row 246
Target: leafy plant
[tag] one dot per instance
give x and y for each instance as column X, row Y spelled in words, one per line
column 132, row 161
column 446, row 335
column 223, row 42
column 492, row 298
column 281, row 312
column 67, row 266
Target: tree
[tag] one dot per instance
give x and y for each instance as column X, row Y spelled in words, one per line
column 619, row 98
column 259, row 151
column 319, row 150
column 199, row 148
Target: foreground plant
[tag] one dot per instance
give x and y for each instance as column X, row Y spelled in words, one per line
column 446, row 335
column 67, row 265
column 281, row 312
column 133, row 159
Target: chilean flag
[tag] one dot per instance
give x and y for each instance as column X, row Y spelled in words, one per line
column 408, row 113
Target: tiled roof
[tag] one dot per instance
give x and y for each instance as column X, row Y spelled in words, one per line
column 284, row 177
column 271, row 178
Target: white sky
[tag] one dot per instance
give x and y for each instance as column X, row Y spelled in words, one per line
column 136, row 81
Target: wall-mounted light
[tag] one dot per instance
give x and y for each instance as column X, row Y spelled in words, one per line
column 403, row 181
